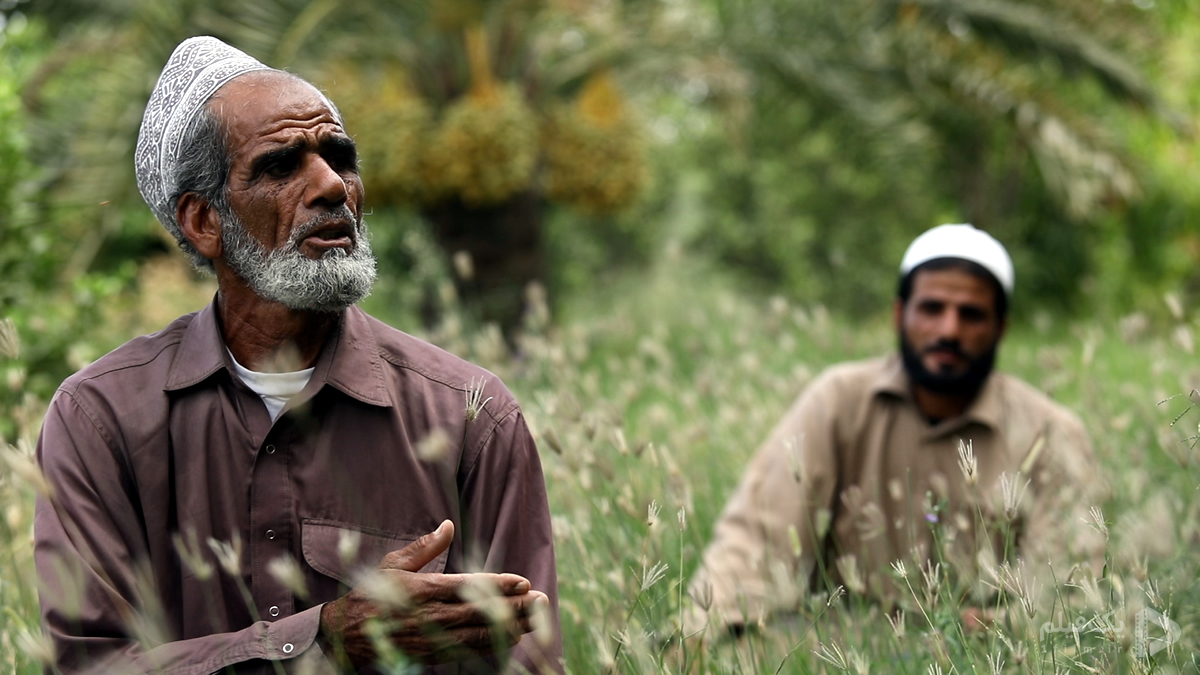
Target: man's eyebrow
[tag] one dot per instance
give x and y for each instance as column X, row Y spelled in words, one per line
column 267, row 159
column 339, row 143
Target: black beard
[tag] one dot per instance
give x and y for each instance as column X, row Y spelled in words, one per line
column 967, row 383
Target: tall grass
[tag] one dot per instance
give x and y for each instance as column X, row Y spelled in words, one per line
column 648, row 399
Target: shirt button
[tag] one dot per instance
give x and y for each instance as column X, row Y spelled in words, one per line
column 274, row 611
column 270, row 449
column 288, row 648
column 270, row 534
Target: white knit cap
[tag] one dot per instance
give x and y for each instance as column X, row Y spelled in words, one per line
column 964, row 242
column 198, row 67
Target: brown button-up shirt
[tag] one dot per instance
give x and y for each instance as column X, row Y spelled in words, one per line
column 854, row 478
column 157, row 452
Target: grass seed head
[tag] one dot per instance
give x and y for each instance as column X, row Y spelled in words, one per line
column 474, row 399
column 652, row 514
column 1096, row 520
column 653, row 575
column 385, row 592
column 191, row 555
column 896, row 621
column 347, row 546
column 833, row 655
column 1012, row 490
column 287, row 571
column 229, row 554
column 10, row 343
column 36, row 645
column 483, row 593
column 967, row 463
column 847, row 567
column 434, row 446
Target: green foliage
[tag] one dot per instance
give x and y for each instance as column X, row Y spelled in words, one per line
column 872, row 121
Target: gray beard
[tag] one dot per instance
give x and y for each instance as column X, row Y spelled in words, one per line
column 330, row 283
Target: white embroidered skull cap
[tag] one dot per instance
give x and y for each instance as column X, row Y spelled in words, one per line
column 198, row 67
column 965, row 242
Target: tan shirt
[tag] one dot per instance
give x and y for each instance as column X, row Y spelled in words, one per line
column 854, row 478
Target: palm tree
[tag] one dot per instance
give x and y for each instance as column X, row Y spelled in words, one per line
column 999, row 104
column 464, row 110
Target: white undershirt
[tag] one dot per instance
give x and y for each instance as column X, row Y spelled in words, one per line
column 274, row 388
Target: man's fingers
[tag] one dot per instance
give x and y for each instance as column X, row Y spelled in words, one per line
column 511, row 611
column 421, row 552
column 450, row 588
column 512, row 584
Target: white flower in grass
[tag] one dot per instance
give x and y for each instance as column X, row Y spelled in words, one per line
column 833, row 655
column 475, row 399
column 434, row 446
column 287, row 571
column 191, row 555
column 1013, row 490
column 847, row 567
column 1097, row 520
column 36, row 645
column 652, row 513
column 229, row 554
column 896, row 621
column 485, row 595
column 860, row 663
column 967, row 463
column 10, row 343
column 653, row 575
column 347, row 546
column 385, row 592
column 995, row 663
column 835, row 595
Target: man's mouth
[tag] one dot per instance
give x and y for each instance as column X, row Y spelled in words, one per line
column 325, row 238
column 945, row 357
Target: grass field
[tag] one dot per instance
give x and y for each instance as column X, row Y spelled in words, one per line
column 648, row 399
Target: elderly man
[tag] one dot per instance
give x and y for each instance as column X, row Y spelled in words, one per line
column 281, row 482
column 917, row 457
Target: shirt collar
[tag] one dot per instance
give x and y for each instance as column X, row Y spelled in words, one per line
column 201, row 351
column 986, row 409
column 349, row 362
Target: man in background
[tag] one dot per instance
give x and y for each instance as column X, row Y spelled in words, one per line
column 885, row 465
column 280, row 481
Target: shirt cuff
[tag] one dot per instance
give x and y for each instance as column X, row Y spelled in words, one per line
column 289, row 637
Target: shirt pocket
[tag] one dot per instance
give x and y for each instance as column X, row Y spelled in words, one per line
column 346, row 552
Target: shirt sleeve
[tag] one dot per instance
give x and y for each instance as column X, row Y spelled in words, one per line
column 508, row 518
column 97, row 599
column 765, row 542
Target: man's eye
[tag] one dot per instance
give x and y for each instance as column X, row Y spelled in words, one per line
column 343, row 161
column 280, row 168
column 929, row 308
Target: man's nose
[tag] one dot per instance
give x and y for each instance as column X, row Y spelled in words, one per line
column 949, row 325
column 325, row 187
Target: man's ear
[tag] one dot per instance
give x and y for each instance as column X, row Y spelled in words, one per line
column 898, row 313
column 200, row 224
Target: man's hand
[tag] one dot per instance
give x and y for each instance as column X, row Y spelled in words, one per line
column 427, row 615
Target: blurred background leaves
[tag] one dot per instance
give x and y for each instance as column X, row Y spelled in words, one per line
column 797, row 145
